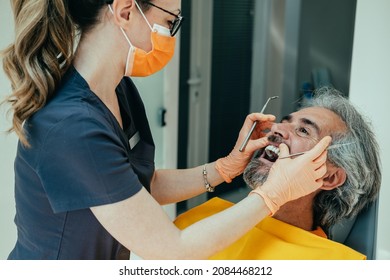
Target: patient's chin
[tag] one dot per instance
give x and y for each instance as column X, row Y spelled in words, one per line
column 256, row 174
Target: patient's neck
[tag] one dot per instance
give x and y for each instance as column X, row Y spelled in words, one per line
column 298, row 212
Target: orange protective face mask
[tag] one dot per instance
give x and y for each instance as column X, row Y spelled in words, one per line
column 140, row 63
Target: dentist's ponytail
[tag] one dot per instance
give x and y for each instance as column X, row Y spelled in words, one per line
column 36, row 61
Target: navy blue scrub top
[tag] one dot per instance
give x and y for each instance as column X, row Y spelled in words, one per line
column 79, row 157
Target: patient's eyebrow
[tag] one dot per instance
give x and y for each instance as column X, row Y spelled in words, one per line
column 286, row 118
column 311, row 123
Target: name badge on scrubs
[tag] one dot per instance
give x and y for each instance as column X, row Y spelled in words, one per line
column 134, row 140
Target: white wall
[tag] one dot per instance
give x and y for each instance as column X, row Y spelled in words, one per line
column 7, row 145
column 369, row 91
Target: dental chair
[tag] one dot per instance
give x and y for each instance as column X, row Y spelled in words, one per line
column 359, row 233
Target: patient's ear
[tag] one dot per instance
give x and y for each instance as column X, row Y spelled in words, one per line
column 334, row 178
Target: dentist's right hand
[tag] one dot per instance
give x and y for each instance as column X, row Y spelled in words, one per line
column 290, row 179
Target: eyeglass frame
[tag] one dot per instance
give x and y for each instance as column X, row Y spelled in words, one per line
column 177, row 21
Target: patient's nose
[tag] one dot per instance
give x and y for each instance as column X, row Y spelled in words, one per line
column 281, row 130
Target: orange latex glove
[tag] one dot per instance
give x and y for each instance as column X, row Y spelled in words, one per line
column 234, row 164
column 290, row 179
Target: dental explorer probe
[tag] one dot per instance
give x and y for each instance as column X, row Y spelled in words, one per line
column 243, row 145
column 329, row 148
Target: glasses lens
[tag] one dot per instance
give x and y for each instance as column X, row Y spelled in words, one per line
column 176, row 25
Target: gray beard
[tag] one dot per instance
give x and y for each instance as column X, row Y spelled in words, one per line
column 256, row 173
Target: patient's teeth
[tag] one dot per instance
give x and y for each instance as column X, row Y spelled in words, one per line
column 272, row 151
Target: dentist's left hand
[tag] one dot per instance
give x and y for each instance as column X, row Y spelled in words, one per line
column 234, row 164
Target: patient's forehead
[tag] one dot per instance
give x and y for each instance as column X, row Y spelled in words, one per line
column 328, row 121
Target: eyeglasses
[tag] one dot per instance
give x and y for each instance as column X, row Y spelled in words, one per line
column 174, row 24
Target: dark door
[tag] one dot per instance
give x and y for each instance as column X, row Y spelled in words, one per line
column 231, row 77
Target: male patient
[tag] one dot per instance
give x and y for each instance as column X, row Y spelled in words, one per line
column 300, row 228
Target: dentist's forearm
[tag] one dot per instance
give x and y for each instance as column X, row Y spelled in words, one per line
column 171, row 186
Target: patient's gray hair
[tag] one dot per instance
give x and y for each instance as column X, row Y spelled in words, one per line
column 360, row 161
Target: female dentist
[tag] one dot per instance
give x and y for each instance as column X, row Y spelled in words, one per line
column 85, row 182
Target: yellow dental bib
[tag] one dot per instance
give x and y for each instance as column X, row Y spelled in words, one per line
column 272, row 239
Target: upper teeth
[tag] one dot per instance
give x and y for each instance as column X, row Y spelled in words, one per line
column 273, row 149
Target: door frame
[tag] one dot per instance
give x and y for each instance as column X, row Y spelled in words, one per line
column 199, row 85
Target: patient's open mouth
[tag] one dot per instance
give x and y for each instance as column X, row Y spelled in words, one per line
column 271, row 153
